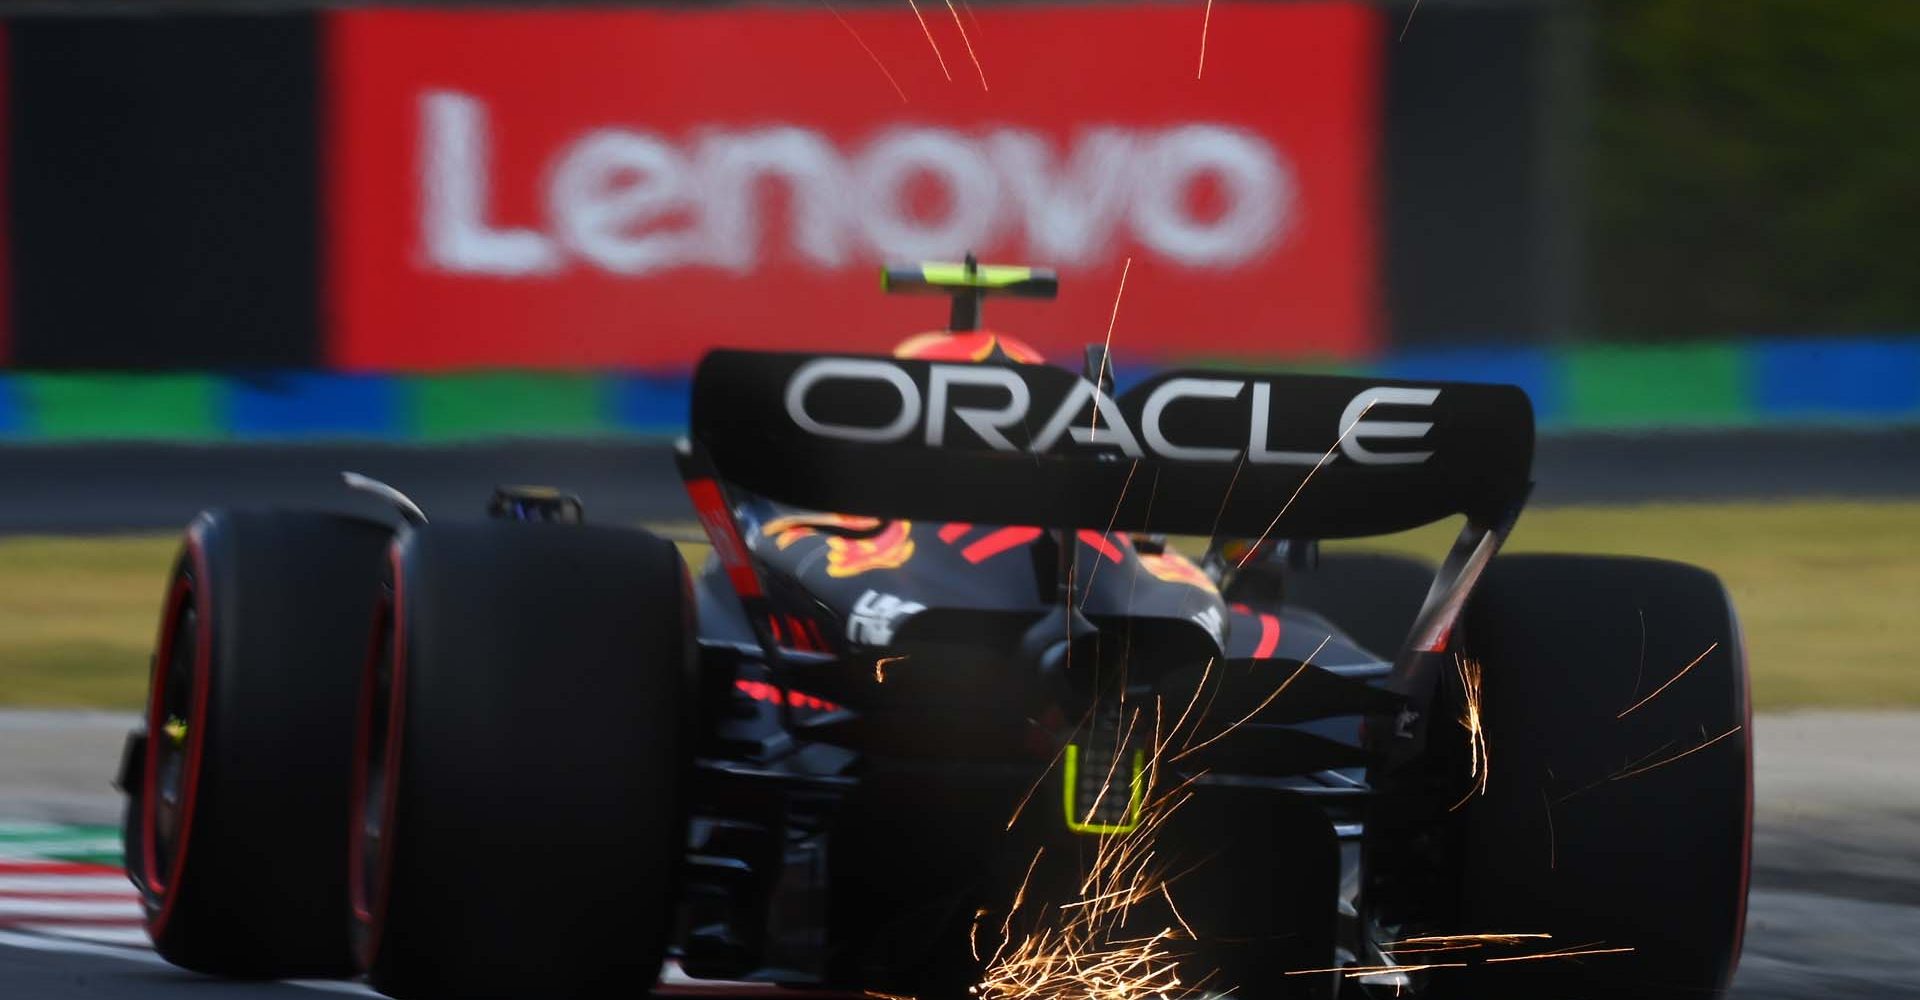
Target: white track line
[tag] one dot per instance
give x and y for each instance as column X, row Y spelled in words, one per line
column 35, row 942
column 49, row 907
column 93, row 885
column 129, row 936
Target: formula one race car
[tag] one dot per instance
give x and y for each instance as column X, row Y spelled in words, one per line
column 946, row 710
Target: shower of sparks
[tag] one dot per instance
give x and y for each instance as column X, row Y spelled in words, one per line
column 1669, row 683
column 1078, row 953
column 930, row 41
column 880, row 668
column 1324, row 459
column 1205, row 20
column 1668, row 760
column 968, row 42
column 1082, row 948
column 1106, row 350
column 1480, row 765
column 869, row 50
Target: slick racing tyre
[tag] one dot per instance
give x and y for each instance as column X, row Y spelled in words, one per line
column 523, row 748
column 237, row 812
column 1371, row 596
column 1618, row 812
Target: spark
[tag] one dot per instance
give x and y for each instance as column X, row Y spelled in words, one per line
column 1364, row 971
column 1567, row 953
column 930, row 41
column 1205, row 20
column 1106, row 350
column 1479, row 766
column 1087, row 594
column 1640, row 671
column 1037, row 782
column 1596, row 783
column 1431, row 949
column 1409, row 24
column 1177, row 915
column 1553, row 843
column 1685, row 753
column 869, row 50
column 1304, row 664
column 1335, row 446
column 964, row 5
column 969, row 43
column 1214, row 532
column 880, row 668
column 1472, row 939
column 1683, row 672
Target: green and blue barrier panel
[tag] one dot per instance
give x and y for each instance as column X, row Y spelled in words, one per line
column 1825, row 381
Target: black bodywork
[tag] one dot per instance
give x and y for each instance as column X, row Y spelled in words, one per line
column 893, row 685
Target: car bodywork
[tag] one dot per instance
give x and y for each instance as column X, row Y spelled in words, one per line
column 894, row 684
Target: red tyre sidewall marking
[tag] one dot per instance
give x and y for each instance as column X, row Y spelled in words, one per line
column 1269, row 636
column 161, row 895
column 371, row 914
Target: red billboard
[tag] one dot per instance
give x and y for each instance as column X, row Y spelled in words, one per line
column 588, row 188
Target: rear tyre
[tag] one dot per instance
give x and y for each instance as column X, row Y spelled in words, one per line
column 519, row 773
column 235, row 828
column 1619, row 810
column 1371, row 596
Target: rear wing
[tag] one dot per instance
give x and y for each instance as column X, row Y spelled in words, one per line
column 1188, row 452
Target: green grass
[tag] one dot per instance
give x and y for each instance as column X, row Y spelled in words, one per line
column 1827, row 593
column 78, row 617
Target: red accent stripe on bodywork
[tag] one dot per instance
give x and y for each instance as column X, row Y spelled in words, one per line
column 731, row 549
column 1269, row 636
column 997, row 542
column 1102, row 544
column 762, row 691
column 950, row 533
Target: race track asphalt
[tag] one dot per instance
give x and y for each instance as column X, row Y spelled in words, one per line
column 1834, row 912
column 121, row 487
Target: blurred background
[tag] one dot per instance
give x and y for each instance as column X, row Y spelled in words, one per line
column 248, row 244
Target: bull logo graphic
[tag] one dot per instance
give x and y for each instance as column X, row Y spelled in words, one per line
column 890, row 549
column 1176, row 568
